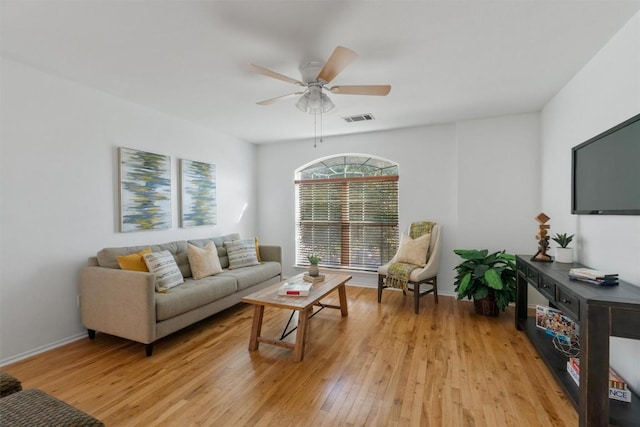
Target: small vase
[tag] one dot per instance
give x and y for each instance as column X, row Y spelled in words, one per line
column 564, row 255
column 313, row 270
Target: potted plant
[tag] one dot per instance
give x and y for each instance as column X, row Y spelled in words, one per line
column 314, row 259
column 490, row 279
column 563, row 252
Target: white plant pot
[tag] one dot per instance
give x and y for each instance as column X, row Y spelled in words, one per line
column 564, row 255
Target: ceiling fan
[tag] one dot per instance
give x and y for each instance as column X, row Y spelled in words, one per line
column 315, row 78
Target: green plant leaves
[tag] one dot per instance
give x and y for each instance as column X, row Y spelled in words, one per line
column 481, row 272
column 464, row 283
column 493, row 279
column 471, row 253
column 562, row 239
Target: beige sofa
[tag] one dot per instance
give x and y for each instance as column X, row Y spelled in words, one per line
column 125, row 303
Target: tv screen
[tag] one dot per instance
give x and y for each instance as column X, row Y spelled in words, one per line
column 606, row 172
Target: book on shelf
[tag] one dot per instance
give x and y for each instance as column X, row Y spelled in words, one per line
column 589, row 273
column 554, row 322
column 298, row 289
column 599, row 282
column 618, row 389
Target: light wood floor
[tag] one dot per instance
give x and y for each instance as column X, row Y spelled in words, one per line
column 381, row 366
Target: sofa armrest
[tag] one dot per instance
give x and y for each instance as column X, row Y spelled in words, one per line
column 270, row 253
column 119, row 302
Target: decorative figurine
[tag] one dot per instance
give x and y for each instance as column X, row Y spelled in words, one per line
column 543, row 239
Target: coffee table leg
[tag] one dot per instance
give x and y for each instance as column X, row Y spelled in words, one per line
column 301, row 335
column 342, row 292
column 258, row 312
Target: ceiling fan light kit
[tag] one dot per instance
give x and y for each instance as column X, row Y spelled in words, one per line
column 314, row 101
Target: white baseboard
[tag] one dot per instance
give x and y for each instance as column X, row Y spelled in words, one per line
column 42, row 349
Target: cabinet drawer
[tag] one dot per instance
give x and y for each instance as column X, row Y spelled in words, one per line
column 547, row 288
column 533, row 276
column 569, row 303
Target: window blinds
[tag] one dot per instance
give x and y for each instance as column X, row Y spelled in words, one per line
column 349, row 222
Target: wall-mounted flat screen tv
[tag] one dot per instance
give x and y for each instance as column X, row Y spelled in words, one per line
column 605, row 178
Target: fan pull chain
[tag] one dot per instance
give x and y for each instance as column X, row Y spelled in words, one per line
column 315, row 129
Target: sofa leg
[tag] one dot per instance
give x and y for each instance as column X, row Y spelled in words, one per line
column 91, row 333
column 148, row 349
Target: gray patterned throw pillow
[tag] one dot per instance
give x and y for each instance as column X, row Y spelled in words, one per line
column 164, row 266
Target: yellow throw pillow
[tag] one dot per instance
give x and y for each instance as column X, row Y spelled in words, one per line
column 203, row 262
column 414, row 251
column 258, row 250
column 134, row 262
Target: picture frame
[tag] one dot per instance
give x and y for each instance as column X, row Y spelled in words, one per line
column 145, row 190
column 198, row 197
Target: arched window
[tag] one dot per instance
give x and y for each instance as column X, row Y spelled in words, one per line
column 347, row 212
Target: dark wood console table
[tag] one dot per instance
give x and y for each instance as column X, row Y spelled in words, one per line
column 601, row 312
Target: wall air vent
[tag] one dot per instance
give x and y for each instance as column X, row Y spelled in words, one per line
column 359, row 118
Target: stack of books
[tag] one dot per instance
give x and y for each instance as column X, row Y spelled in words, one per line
column 593, row 276
column 618, row 389
column 296, row 289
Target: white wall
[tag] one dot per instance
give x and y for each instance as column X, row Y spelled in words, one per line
column 60, row 194
column 469, row 177
column 604, row 93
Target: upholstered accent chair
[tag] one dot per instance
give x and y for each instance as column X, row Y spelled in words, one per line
column 423, row 280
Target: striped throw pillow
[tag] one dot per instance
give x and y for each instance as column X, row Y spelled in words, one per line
column 164, row 266
column 242, row 253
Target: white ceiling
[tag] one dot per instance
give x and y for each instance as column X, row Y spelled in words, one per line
column 445, row 60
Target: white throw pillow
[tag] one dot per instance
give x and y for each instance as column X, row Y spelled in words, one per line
column 164, row 266
column 203, row 262
column 242, row 253
column 413, row 251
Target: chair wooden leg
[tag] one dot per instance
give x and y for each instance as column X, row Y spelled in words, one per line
column 416, row 297
column 380, row 280
column 435, row 289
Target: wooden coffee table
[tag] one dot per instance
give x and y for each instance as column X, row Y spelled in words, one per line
column 303, row 305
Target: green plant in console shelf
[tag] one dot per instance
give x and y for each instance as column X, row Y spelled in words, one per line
column 562, row 239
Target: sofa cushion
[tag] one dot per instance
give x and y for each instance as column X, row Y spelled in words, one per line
column 134, row 262
column 193, row 294
column 242, row 253
column 204, row 261
column 164, row 266
column 219, row 242
column 249, row 276
column 107, row 256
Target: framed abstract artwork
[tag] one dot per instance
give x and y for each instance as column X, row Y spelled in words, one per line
column 198, row 194
column 145, row 190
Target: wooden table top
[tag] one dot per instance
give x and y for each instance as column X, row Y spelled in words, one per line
column 269, row 296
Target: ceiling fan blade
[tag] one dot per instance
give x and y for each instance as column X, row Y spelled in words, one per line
column 266, row 72
column 378, row 90
column 339, row 59
column 279, row 98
